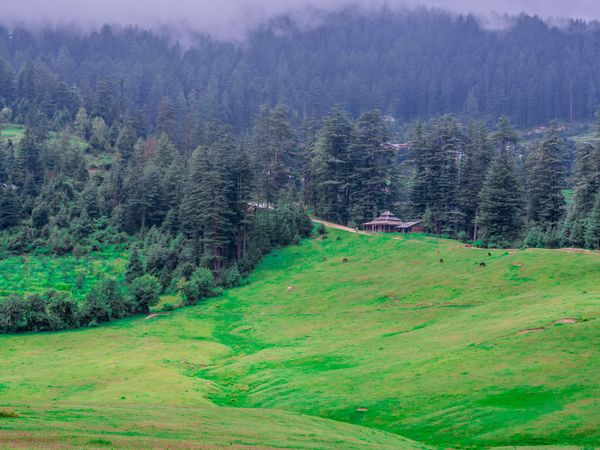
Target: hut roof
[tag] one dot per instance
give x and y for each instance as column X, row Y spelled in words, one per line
column 387, row 218
column 404, row 225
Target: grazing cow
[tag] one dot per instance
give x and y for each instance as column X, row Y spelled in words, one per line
column 482, row 264
column 489, row 253
column 441, row 260
column 469, row 245
column 291, row 289
column 345, row 260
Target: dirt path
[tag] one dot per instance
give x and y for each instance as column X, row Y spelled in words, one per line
column 340, row 227
column 510, row 251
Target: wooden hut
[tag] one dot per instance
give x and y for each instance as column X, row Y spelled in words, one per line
column 385, row 223
column 389, row 223
column 410, row 227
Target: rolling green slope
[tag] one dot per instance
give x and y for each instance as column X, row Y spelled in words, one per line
column 390, row 343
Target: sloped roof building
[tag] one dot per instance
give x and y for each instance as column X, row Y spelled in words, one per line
column 389, row 223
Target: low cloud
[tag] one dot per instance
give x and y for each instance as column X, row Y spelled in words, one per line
column 233, row 18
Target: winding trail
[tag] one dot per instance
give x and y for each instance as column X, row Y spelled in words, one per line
column 340, row 227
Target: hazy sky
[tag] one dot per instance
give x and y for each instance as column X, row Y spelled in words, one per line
column 230, row 18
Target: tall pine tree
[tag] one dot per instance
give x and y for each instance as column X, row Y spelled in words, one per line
column 501, row 196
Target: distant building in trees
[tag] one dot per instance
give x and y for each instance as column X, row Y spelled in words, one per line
column 389, row 223
column 397, row 147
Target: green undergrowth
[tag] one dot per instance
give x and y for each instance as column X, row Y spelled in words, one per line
column 29, row 274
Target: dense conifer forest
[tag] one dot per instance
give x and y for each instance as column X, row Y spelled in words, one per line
column 201, row 159
column 410, row 65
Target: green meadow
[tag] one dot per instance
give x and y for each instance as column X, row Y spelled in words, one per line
column 30, row 274
column 391, row 349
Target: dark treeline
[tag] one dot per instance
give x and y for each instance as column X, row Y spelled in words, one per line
column 479, row 185
column 410, row 65
column 200, row 221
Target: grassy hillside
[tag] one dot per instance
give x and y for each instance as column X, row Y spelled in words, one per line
column 38, row 273
column 448, row 354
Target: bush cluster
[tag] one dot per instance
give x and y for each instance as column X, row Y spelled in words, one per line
column 53, row 310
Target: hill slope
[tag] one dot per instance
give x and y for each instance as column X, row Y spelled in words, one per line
column 443, row 353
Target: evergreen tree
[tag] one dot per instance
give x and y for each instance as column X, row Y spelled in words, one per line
column 126, row 142
column 205, row 217
column 371, row 182
column 241, row 197
column 274, row 155
column 474, row 165
column 592, row 231
column 82, row 123
column 28, row 163
column 166, row 121
column 501, row 196
column 586, row 177
column 421, row 174
column 331, row 167
column 545, row 200
column 7, row 82
column 135, row 266
column 104, row 104
column 10, row 213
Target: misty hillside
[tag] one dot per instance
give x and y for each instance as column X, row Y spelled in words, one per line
column 410, row 65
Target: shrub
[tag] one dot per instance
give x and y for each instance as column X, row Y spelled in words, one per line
column 303, row 224
column 13, row 315
column 60, row 241
column 200, row 285
column 321, row 230
column 109, row 292
column 145, row 291
column 231, row 277
column 95, row 309
column 63, row 310
column 37, row 314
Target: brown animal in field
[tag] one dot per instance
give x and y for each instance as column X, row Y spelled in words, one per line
column 482, row 264
column 291, row 289
column 345, row 260
column 442, row 260
column 489, row 253
column 469, row 245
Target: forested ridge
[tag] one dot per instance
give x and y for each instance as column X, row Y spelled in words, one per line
column 199, row 161
column 410, row 65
